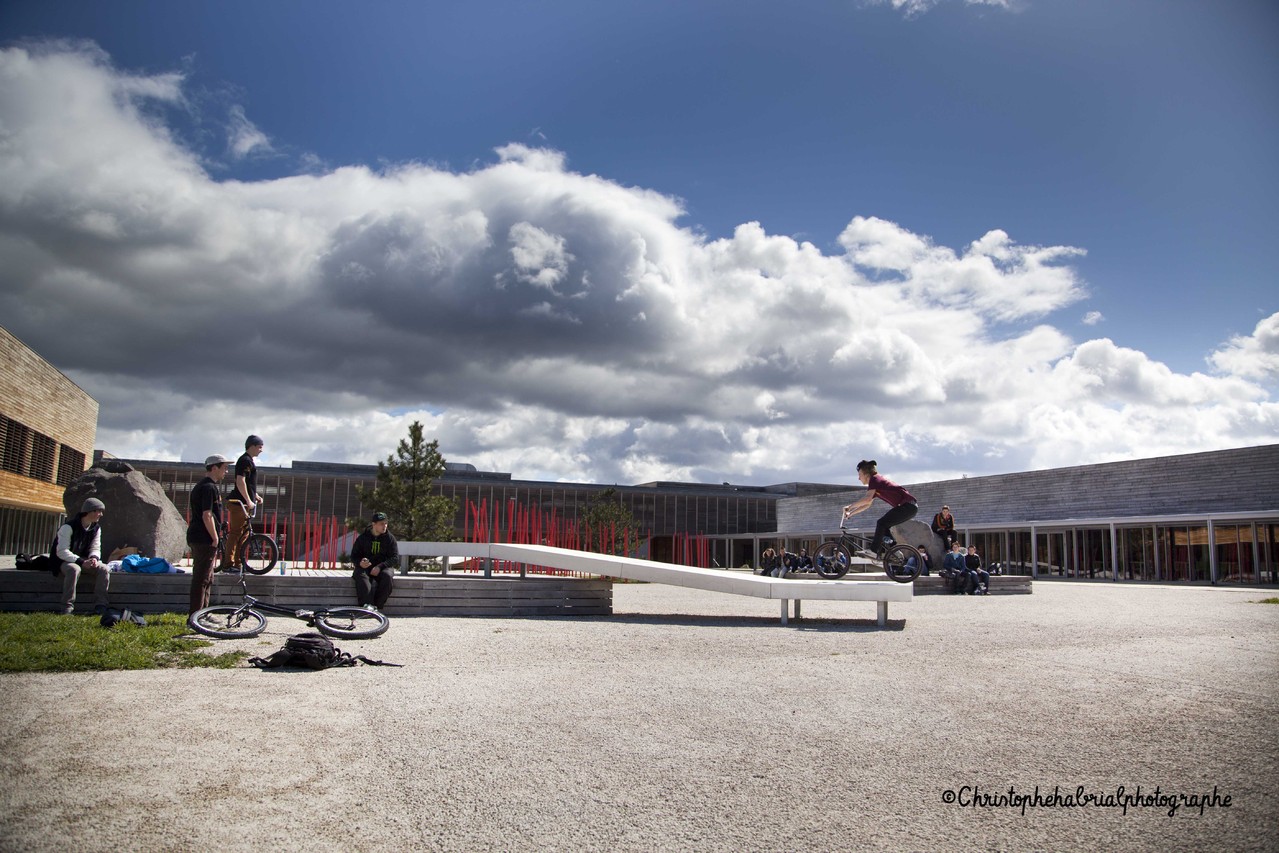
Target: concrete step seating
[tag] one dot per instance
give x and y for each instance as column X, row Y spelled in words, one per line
column 413, row 595
column 934, row 585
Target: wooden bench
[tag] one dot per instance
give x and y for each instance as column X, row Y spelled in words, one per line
column 413, row 595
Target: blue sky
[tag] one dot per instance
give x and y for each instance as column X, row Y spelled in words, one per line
column 1120, row 153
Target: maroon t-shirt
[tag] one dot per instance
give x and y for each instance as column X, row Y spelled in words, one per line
column 893, row 494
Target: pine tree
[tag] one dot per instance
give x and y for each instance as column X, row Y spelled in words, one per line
column 403, row 491
column 609, row 525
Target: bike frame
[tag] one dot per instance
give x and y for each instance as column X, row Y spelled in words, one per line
column 892, row 559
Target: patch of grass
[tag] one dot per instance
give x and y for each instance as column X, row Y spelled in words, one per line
column 1269, row 601
column 51, row 642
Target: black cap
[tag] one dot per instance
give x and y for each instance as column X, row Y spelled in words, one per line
column 252, row 440
column 379, row 516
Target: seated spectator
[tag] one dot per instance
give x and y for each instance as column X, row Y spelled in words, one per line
column 376, row 557
column 955, row 570
column 79, row 546
column 981, row 577
column 944, row 527
column 926, row 565
column 805, row 561
column 767, row 561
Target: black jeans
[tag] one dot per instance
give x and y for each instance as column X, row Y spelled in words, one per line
column 370, row 589
column 889, row 520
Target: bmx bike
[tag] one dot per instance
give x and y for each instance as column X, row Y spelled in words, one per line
column 232, row 622
column 834, row 558
column 258, row 554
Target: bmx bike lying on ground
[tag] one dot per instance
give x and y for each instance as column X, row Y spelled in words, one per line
column 833, row 559
column 231, row 622
column 258, row 554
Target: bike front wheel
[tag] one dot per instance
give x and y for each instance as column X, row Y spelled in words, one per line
column 901, row 563
column 831, row 560
column 227, row 622
column 260, row 554
column 352, row 623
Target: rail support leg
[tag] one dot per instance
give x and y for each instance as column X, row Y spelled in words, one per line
column 785, row 609
column 798, row 602
column 883, row 613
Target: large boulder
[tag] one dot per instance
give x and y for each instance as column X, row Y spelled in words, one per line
column 139, row 513
column 921, row 536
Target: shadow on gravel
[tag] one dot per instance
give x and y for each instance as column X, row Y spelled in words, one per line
column 853, row 626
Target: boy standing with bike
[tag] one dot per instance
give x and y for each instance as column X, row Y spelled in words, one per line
column 202, row 530
column 242, row 504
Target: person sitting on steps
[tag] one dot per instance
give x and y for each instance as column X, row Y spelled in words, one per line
column 78, row 545
column 981, row 577
column 955, row 570
column 376, row 556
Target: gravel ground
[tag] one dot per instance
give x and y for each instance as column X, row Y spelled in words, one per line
column 687, row 721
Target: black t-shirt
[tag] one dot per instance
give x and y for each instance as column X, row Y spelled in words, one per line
column 248, row 469
column 204, row 496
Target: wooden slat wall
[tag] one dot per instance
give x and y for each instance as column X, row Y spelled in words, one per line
column 412, row 596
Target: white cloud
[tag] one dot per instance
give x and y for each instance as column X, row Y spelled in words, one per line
column 541, row 321
column 1254, row 356
column 243, row 136
column 1092, row 318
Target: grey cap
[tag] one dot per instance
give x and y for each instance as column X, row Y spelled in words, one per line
column 216, row 459
column 92, row 505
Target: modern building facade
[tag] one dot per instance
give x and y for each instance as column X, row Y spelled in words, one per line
column 48, row 426
column 732, row 516
column 1199, row 518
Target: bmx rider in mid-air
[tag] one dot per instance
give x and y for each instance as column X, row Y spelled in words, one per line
column 903, row 506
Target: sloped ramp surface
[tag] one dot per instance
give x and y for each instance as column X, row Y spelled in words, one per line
column 713, row 580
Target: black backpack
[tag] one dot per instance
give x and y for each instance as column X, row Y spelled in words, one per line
column 312, row 650
column 38, row 563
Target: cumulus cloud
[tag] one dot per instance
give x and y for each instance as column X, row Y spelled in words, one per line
column 1092, row 318
column 541, row 321
column 1254, row 356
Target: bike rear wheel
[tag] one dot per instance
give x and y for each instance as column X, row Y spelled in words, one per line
column 901, row 563
column 352, row 623
column 227, row 622
column 831, row 560
column 260, row 554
